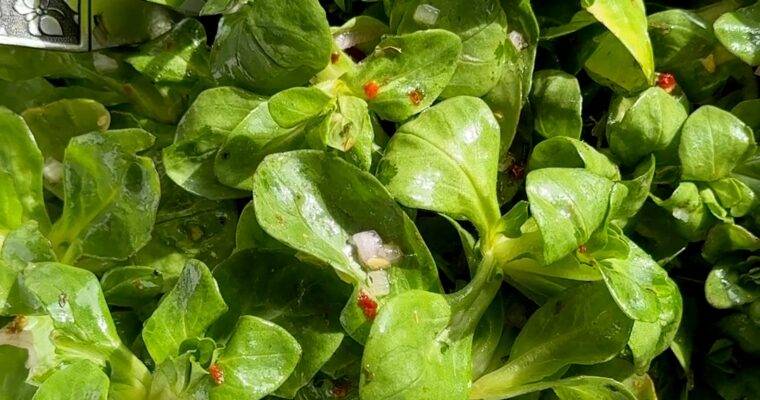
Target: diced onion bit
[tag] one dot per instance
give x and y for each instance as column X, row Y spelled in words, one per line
column 426, row 14
column 367, row 304
column 518, row 40
column 217, row 375
column 666, row 81
column 379, row 283
column 103, row 63
column 373, row 254
column 370, row 89
column 52, row 171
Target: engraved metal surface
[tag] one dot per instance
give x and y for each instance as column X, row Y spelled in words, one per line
column 49, row 24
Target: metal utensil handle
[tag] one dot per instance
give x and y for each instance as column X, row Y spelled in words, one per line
column 47, row 24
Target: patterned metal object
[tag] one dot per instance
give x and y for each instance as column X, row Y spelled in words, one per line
column 49, row 24
column 80, row 25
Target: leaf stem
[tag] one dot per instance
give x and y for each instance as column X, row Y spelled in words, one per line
column 469, row 303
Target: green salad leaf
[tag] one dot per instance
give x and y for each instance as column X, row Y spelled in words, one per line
column 380, row 200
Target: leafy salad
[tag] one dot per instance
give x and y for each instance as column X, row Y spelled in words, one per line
column 397, row 199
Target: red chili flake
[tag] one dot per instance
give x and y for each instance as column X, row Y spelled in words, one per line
column 334, row 57
column 217, row 375
column 517, row 171
column 367, row 304
column 416, row 97
column 370, row 89
column 582, row 249
column 666, row 81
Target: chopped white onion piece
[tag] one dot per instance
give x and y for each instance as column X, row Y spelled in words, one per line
column 103, row 63
column 53, row 170
column 391, row 252
column 680, row 214
column 518, row 40
column 426, row 14
column 368, row 245
column 371, row 251
column 379, row 283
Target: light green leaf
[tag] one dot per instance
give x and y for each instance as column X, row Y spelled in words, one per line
column 627, row 20
column 108, row 212
column 304, row 300
column 189, row 162
column 315, row 202
column 179, row 56
column 558, row 335
column 348, row 129
column 80, row 380
column 54, row 124
column 631, row 279
column 257, row 136
column 729, row 285
column 132, row 286
column 510, row 93
column 689, row 212
column 271, row 46
column 297, row 105
column 649, row 339
column 574, row 388
column 556, row 103
column 178, row 378
column 446, row 160
column 82, row 324
column 257, row 359
column 482, row 26
column 565, row 215
column 739, row 32
column 610, row 64
column 734, row 196
column 565, row 152
column 20, row 176
column 221, row 107
column 726, row 238
column 645, row 124
column 25, row 245
column 410, row 72
column 185, row 312
column 404, row 356
column 713, row 143
column 637, row 190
